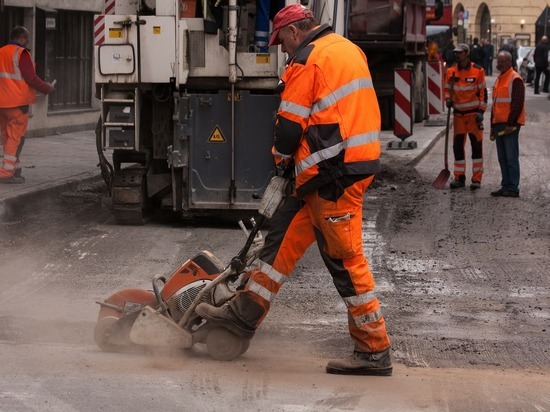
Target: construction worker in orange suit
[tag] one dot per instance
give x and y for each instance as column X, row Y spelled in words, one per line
column 18, row 82
column 466, row 93
column 328, row 127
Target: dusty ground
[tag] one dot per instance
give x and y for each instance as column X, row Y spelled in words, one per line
column 462, row 278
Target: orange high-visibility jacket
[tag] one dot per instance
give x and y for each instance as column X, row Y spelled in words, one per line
column 502, row 97
column 328, row 119
column 15, row 91
column 469, row 90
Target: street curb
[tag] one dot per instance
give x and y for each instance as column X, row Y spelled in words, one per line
column 48, row 192
column 416, row 160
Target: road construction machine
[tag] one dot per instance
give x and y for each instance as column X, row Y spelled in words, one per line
column 188, row 101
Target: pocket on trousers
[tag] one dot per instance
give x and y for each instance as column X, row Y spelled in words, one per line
column 340, row 235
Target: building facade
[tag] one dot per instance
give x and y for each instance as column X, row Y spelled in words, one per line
column 62, row 46
column 498, row 20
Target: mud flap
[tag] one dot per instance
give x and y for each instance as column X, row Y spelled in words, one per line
column 153, row 329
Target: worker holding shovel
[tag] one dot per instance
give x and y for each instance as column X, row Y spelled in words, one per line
column 468, row 98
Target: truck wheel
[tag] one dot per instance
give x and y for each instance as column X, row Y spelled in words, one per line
column 224, row 345
column 130, row 203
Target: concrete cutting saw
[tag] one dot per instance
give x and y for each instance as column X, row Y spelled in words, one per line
column 165, row 316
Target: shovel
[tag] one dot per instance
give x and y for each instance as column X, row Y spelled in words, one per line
column 443, row 177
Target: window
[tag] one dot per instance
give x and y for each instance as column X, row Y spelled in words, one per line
column 9, row 18
column 69, row 60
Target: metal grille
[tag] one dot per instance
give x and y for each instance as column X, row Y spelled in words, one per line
column 69, row 60
column 180, row 301
column 197, row 56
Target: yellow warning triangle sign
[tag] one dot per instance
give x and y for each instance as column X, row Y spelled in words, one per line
column 216, row 136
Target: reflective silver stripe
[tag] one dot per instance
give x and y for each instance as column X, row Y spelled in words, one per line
column 477, row 169
column 358, row 300
column 272, row 273
column 477, row 160
column 465, row 88
column 508, row 99
column 466, row 105
column 259, row 33
column 294, row 108
column 260, row 290
column 17, row 75
column 9, row 166
column 368, row 318
column 10, row 157
column 341, row 92
column 332, row 151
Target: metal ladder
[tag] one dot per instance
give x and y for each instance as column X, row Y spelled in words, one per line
column 120, row 129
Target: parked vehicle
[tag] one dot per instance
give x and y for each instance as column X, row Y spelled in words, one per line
column 527, row 67
column 523, row 51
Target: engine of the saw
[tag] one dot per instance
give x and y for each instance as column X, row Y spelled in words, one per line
column 183, row 286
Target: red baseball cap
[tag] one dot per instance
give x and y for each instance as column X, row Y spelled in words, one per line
column 285, row 16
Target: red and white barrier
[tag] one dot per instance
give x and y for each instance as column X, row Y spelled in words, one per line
column 99, row 22
column 403, row 124
column 435, row 87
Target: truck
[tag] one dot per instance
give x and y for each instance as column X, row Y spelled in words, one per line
column 188, row 102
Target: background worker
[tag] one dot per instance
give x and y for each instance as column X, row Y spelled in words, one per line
column 265, row 11
column 507, row 117
column 18, row 82
column 469, row 101
column 328, row 127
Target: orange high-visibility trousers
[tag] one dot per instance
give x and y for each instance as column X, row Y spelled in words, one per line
column 13, row 125
column 336, row 225
column 467, row 125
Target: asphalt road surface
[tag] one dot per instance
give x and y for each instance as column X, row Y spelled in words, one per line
column 462, row 277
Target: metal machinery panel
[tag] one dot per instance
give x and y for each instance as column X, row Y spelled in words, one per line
column 120, row 60
column 116, row 59
column 158, row 49
column 211, row 149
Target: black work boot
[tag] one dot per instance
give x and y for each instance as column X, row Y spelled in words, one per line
column 362, row 363
column 461, row 182
column 12, row 180
column 225, row 317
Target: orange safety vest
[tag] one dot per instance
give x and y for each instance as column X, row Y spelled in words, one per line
column 15, row 91
column 502, row 97
column 329, row 94
column 469, row 89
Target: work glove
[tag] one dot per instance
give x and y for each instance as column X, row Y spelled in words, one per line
column 479, row 118
column 449, row 103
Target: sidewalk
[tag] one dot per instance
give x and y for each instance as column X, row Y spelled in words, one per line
column 52, row 164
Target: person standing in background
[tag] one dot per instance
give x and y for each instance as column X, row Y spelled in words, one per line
column 507, row 117
column 489, row 50
column 477, row 55
column 466, row 93
column 541, row 64
column 265, row 10
column 511, row 48
column 18, row 83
